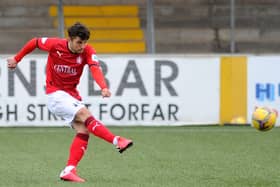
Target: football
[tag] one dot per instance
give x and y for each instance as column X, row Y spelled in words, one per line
column 264, row 118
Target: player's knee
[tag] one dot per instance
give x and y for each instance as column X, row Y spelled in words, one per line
column 80, row 128
column 82, row 115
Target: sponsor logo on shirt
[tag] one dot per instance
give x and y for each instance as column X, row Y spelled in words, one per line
column 64, row 69
column 59, row 54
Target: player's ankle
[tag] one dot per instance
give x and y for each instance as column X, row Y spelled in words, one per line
column 69, row 168
column 115, row 140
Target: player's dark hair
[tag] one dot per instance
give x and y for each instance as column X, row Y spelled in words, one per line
column 79, row 30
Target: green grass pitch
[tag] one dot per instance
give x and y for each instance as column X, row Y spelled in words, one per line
column 161, row 157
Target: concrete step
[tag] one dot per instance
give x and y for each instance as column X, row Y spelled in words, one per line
column 249, row 48
column 138, row 2
column 169, row 11
column 71, row 2
column 258, row 47
column 247, row 11
column 13, row 39
column 23, row 11
column 251, row 35
column 178, row 16
column 184, row 36
column 26, row 2
column 119, row 47
column 262, row 23
column 184, row 48
column 241, row 47
column 25, row 22
column 246, row 2
column 96, row 11
column 116, row 34
column 103, row 22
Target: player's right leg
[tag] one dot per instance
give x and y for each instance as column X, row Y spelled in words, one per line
column 100, row 130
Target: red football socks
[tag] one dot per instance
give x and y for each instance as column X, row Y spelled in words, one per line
column 98, row 129
column 77, row 149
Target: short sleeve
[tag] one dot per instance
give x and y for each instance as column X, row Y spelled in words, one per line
column 46, row 43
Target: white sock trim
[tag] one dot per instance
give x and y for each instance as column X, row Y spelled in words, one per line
column 115, row 141
column 69, row 168
column 66, row 170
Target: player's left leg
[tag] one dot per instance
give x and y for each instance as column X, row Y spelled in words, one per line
column 76, row 153
column 63, row 105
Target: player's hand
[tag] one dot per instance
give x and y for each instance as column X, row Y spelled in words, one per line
column 105, row 92
column 12, row 63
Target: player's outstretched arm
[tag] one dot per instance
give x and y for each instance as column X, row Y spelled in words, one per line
column 27, row 48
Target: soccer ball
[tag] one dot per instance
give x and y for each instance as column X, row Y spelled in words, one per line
column 264, row 118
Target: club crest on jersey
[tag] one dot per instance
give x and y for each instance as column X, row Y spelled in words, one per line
column 79, row 60
column 94, row 58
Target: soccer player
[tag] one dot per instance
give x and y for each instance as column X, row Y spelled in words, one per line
column 66, row 60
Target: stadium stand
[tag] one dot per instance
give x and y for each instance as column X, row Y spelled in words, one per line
column 115, row 28
column 181, row 26
column 20, row 21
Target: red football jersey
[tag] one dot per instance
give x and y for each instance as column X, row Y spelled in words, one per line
column 64, row 68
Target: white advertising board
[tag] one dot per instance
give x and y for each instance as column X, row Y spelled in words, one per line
column 263, row 83
column 146, row 90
